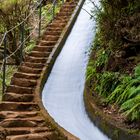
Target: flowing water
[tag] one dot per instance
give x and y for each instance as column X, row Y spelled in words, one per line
column 63, row 92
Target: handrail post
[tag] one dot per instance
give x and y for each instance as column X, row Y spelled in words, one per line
column 40, row 14
column 62, row 2
column 53, row 9
column 22, row 42
column 4, row 64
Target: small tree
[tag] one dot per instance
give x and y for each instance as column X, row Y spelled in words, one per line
column 13, row 12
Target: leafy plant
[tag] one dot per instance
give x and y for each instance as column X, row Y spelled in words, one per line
column 127, row 95
column 137, row 71
column 108, row 82
column 115, row 20
column 121, row 90
column 131, row 108
column 90, row 71
column 12, row 12
column 9, row 73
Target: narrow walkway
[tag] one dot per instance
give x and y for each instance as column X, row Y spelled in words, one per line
column 20, row 117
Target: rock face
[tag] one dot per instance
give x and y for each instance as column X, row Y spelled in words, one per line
column 20, row 116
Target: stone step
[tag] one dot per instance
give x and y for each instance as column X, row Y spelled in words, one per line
column 18, row 106
column 23, row 82
column 43, row 48
column 23, row 122
column 50, row 37
column 26, row 69
column 35, row 59
column 39, row 54
column 51, row 29
column 18, row 131
column 62, row 18
column 57, row 33
column 20, row 90
column 26, row 75
column 47, row 43
column 27, row 130
column 35, row 136
column 17, row 114
column 68, row 14
column 18, row 97
column 65, row 9
column 55, row 29
column 70, row 4
column 34, row 65
column 57, row 24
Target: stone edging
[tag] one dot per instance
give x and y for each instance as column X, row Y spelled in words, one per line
column 105, row 122
column 46, row 70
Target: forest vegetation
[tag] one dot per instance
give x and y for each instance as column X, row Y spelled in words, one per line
column 113, row 73
column 12, row 14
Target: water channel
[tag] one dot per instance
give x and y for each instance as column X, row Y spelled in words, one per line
column 63, row 92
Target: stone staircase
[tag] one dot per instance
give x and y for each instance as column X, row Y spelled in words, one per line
column 20, row 115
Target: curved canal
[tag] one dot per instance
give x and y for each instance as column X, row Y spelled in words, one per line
column 63, row 92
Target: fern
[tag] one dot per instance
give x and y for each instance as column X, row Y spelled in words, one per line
column 134, row 92
column 124, row 81
column 123, row 90
column 118, row 91
column 130, row 91
column 90, row 73
column 131, row 108
column 137, row 71
column 124, row 96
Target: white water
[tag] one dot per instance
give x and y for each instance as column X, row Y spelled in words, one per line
column 63, row 92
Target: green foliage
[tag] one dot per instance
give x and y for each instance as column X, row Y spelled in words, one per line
column 102, row 58
column 122, row 90
column 122, row 83
column 47, row 11
column 9, row 73
column 137, row 71
column 107, row 83
column 131, row 8
column 13, row 11
column 109, row 19
column 129, row 91
column 131, row 108
column 90, row 72
column 115, row 19
column 127, row 95
column 30, row 46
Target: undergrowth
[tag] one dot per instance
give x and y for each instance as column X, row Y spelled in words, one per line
column 11, row 69
column 114, row 68
column 9, row 72
column 121, row 90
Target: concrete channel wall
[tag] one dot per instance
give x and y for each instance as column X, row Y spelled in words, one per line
column 106, row 122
